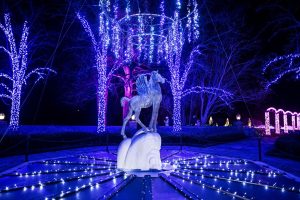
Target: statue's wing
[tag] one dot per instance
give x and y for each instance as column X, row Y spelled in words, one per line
column 142, row 85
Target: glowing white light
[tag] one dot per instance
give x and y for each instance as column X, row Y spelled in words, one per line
column 2, row 116
column 133, row 117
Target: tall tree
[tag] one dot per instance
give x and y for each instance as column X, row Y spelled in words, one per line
column 100, row 43
column 14, row 81
column 226, row 73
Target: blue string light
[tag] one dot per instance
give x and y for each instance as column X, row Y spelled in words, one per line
column 283, row 69
column 205, row 173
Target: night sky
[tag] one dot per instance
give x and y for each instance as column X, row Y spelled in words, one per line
column 60, row 43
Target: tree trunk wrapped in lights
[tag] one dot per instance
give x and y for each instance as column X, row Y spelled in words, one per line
column 100, row 46
column 20, row 74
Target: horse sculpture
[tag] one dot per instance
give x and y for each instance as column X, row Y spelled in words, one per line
column 149, row 94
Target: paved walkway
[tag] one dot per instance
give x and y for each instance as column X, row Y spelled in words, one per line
column 246, row 149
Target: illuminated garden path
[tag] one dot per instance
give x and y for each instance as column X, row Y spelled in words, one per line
column 194, row 175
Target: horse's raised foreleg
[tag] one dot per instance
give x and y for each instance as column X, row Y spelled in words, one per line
column 137, row 119
column 125, row 120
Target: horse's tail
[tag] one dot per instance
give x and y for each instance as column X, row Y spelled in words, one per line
column 123, row 100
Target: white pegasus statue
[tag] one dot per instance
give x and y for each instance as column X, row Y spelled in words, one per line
column 142, row 151
column 149, row 94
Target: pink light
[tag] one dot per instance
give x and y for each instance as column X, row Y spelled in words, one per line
column 293, row 121
column 277, row 123
column 267, row 126
column 277, row 120
column 285, row 123
column 298, row 121
column 271, row 109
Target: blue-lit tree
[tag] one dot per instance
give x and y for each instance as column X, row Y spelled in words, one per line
column 12, row 83
column 216, row 87
column 100, row 43
column 226, row 68
column 186, row 29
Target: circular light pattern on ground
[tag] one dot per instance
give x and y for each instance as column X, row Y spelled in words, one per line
column 186, row 174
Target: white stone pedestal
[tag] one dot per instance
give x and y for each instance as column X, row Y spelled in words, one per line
column 141, row 152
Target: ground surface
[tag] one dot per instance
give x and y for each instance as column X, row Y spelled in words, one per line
column 209, row 173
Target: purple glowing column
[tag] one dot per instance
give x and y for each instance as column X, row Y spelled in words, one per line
column 298, row 121
column 277, row 124
column 267, row 123
column 294, row 122
column 285, row 123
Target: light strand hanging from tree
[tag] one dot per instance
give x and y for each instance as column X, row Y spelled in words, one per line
column 223, row 94
column 13, row 84
column 279, row 70
column 196, row 28
column 151, row 49
column 189, row 21
column 161, row 28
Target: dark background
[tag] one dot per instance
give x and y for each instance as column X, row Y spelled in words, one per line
column 60, row 43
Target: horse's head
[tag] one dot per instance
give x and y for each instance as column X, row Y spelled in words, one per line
column 156, row 77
